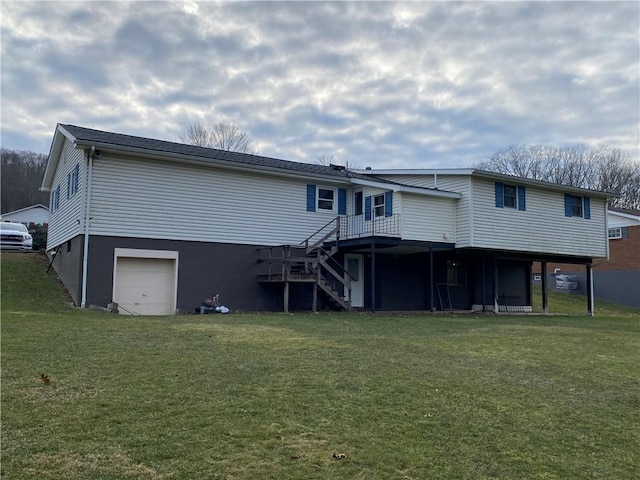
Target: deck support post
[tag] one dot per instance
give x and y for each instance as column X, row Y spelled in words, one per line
column 432, row 306
column 484, row 287
column 286, row 297
column 496, row 307
column 590, row 297
column 543, row 279
column 314, row 305
column 373, row 275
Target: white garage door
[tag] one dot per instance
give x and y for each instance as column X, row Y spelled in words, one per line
column 145, row 286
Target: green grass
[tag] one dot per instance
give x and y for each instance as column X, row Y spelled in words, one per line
column 274, row 396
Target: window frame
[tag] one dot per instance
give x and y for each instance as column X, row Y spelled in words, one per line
column 512, row 198
column 378, row 207
column 616, row 236
column 333, row 200
column 577, row 208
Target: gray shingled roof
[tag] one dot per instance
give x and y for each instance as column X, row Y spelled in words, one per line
column 106, row 138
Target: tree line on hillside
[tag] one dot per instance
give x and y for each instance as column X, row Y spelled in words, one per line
column 20, row 179
column 598, row 168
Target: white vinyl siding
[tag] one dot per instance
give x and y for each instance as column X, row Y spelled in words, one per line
column 428, row 218
column 450, row 183
column 66, row 221
column 543, row 227
column 136, row 198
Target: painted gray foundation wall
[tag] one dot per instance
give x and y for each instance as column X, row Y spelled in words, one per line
column 204, row 269
column 68, row 266
column 621, row 287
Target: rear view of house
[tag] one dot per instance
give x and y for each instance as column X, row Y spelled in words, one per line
column 157, row 226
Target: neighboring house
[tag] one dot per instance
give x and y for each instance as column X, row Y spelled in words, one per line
column 157, row 226
column 616, row 278
column 33, row 215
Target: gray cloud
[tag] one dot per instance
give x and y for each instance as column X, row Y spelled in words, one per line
column 381, row 84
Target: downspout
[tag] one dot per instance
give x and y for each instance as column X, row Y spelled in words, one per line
column 85, row 250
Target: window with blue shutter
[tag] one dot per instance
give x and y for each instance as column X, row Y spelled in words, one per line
column 575, row 206
column 510, row 196
column 311, row 198
column 342, row 201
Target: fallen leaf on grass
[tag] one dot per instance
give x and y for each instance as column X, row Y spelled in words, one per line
column 44, row 378
column 339, row 456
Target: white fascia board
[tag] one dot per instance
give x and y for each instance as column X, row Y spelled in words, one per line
column 206, row 162
column 406, row 188
column 54, row 156
column 416, row 171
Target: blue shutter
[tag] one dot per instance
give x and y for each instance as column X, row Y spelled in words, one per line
column 567, row 205
column 625, row 232
column 76, row 180
column 367, row 208
column 499, row 195
column 311, row 198
column 342, row 201
column 522, row 199
column 388, row 203
column 68, row 185
column 586, row 203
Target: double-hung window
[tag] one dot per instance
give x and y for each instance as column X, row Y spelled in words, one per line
column 378, row 205
column 73, row 181
column 575, row 206
column 326, row 199
column 510, row 196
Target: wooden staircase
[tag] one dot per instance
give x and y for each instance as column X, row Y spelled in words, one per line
column 312, row 262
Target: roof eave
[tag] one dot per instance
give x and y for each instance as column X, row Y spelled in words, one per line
column 59, row 137
column 203, row 161
column 397, row 187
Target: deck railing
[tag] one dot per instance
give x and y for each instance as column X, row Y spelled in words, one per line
column 357, row 226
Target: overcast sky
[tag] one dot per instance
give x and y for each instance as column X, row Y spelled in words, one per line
column 383, row 84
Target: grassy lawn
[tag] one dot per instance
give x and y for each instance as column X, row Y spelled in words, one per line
column 275, row 396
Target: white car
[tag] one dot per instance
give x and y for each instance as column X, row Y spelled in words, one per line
column 15, row 236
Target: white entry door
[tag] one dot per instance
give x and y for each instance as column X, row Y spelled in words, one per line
column 354, row 265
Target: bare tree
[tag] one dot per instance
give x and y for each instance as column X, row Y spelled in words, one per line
column 331, row 159
column 599, row 168
column 326, row 160
column 223, row 136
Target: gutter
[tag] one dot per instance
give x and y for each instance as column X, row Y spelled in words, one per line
column 85, row 250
